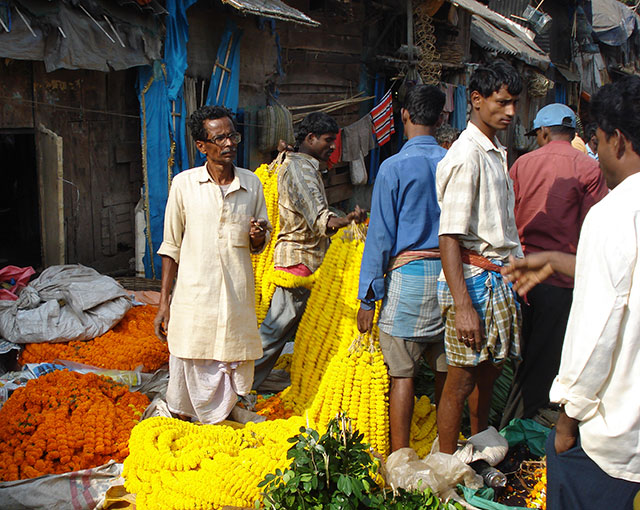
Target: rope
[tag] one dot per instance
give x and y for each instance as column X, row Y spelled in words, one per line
column 425, row 40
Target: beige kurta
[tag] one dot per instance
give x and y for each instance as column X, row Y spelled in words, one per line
column 213, row 305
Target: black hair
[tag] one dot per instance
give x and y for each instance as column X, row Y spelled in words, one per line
column 487, row 79
column 424, row 104
column 447, row 133
column 318, row 123
column 617, row 106
column 563, row 130
column 590, row 130
column 206, row 112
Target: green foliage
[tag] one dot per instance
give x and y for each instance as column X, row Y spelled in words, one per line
column 337, row 472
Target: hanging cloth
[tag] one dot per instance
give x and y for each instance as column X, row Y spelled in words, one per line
column 459, row 120
column 382, row 116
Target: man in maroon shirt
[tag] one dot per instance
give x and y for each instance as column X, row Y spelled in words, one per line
column 555, row 186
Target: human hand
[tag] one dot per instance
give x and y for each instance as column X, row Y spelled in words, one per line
column 528, row 272
column 358, row 215
column 161, row 322
column 365, row 320
column 566, row 433
column 468, row 327
column 258, row 232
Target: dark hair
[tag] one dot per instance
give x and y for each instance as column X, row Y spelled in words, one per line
column 206, row 112
column 424, row 104
column 590, row 130
column 617, row 106
column 447, row 133
column 318, row 123
column 563, row 130
column 488, row 79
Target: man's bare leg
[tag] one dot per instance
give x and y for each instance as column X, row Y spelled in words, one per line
column 401, row 397
column 440, row 378
column 480, row 398
column 458, row 386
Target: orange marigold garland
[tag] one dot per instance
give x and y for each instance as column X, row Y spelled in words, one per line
column 66, row 421
column 129, row 344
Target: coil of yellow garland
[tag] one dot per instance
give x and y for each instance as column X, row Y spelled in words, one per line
column 178, row 465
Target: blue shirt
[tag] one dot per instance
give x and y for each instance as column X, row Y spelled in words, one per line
column 404, row 212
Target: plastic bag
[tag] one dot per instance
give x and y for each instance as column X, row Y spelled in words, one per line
column 64, row 303
column 527, row 431
column 487, row 445
column 439, row 471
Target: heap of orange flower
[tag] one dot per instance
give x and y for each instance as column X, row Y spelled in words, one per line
column 65, row 421
column 273, row 408
column 129, row 344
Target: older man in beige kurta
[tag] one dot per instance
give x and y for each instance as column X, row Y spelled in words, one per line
column 212, row 333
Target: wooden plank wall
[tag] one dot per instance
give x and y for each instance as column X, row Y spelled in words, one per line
column 101, row 152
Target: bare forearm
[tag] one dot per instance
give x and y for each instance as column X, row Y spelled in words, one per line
column 564, row 263
column 450, row 255
column 169, row 271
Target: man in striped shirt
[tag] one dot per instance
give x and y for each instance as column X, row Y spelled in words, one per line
column 306, row 224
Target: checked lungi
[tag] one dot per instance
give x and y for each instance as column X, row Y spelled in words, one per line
column 410, row 308
column 499, row 311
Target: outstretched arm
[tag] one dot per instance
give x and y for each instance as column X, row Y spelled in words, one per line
column 528, row 272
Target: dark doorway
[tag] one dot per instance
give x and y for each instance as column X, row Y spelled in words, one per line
column 20, row 242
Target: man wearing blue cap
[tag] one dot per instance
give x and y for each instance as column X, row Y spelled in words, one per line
column 554, row 186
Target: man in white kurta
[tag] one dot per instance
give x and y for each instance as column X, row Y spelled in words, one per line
column 211, row 227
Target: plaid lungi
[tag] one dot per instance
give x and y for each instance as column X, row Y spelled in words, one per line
column 410, row 307
column 495, row 302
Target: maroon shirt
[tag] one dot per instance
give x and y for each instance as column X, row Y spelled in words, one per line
column 555, row 186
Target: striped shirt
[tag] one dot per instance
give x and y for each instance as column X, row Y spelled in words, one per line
column 304, row 213
column 476, row 197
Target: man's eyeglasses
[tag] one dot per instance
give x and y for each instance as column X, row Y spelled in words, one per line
column 219, row 139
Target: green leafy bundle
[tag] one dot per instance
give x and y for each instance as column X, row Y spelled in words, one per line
column 338, row 472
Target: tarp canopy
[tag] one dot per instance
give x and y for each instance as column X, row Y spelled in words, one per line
column 613, row 22
column 272, row 9
column 99, row 36
column 490, row 37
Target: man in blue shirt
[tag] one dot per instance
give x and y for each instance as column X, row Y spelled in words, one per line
column 401, row 261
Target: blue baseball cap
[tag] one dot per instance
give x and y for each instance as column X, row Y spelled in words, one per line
column 555, row 114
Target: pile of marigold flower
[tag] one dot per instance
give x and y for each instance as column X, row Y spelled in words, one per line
column 129, row 344
column 178, row 465
column 65, row 421
column 537, row 498
column 272, row 408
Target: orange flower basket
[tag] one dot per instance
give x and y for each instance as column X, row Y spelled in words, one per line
column 131, row 343
column 66, row 421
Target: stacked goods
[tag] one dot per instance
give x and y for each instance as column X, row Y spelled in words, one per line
column 263, row 262
column 129, row 344
column 423, row 426
column 178, row 465
column 65, row 421
column 329, row 321
column 356, row 383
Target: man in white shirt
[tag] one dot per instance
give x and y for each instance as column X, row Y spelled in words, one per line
column 215, row 217
column 593, row 455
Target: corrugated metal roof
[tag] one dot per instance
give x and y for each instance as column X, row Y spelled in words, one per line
column 509, row 7
column 272, row 9
column 488, row 36
column 497, row 19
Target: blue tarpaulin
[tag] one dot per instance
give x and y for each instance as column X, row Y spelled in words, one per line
column 224, row 88
column 162, row 114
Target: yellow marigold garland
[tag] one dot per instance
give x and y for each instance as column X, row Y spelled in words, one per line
column 179, row 465
column 537, row 498
column 130, row 343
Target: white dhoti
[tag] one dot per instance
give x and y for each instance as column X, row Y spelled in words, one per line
column 207, row 389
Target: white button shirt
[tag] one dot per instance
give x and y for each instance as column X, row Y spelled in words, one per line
column 599, row 377
column 213, row 305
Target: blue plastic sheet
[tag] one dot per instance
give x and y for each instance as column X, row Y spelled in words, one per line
column 175, row 45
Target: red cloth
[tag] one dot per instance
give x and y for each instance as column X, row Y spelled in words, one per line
column 382, row 116
column 297, row 270
column 555, row 186
column 336, row 155
column 20, row 275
